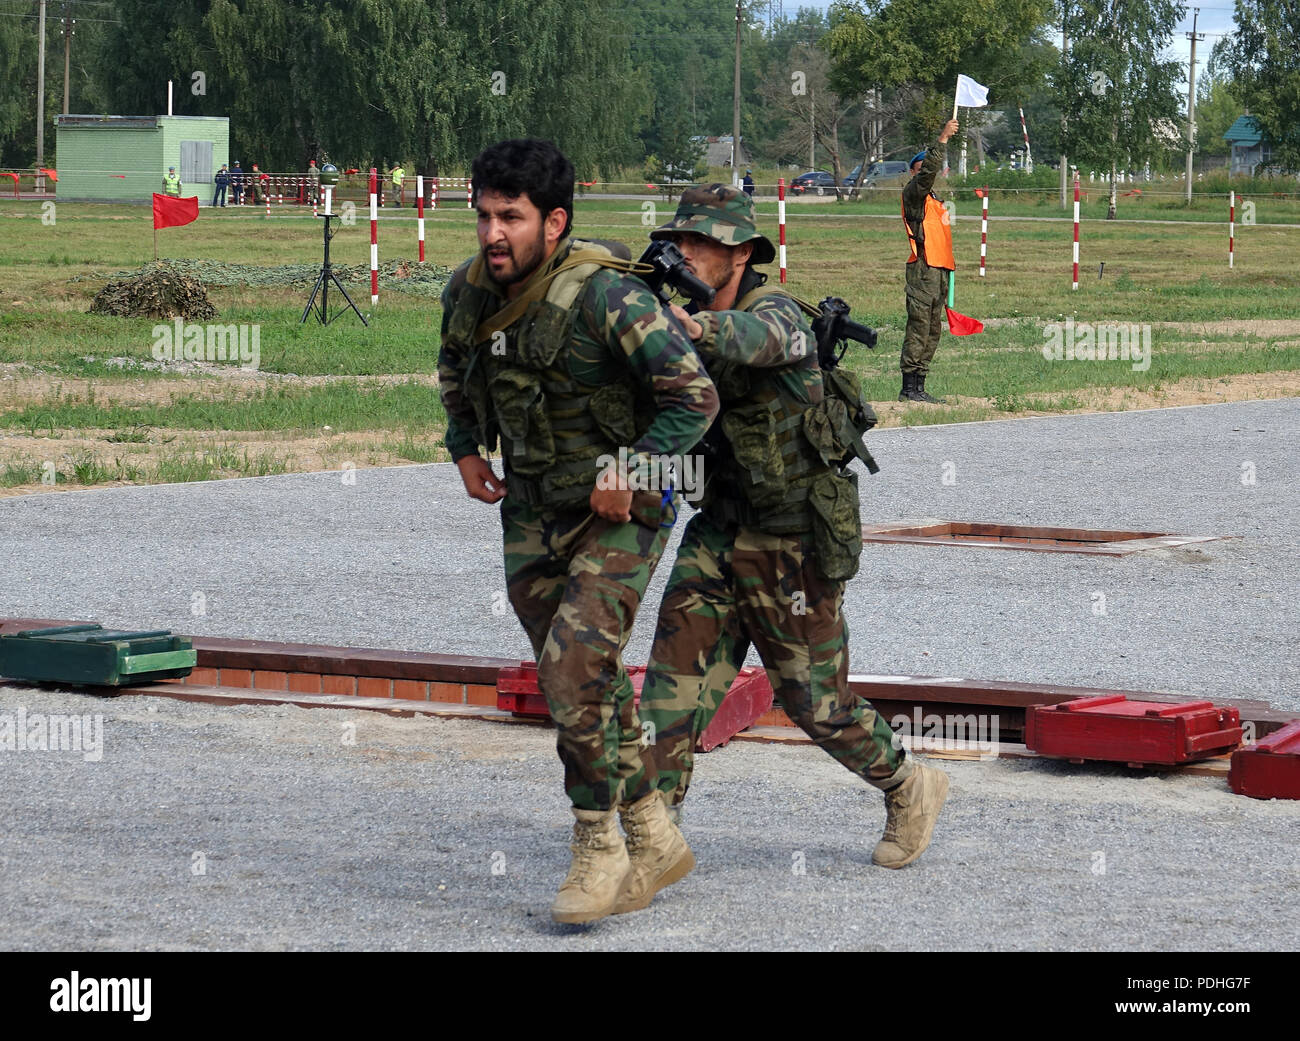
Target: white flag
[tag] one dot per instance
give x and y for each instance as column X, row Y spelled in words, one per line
column 970, row 94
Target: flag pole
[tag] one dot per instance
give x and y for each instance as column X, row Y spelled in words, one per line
column 155, row 242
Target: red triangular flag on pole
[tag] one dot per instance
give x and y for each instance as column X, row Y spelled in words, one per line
column 962, row 325
column 169, row 212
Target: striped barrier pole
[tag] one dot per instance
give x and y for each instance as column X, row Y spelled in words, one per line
column 1029, row 159
column 433, row 195
column 469, row 193
column 419, row 212
column 1232, row 215
column 780, row 219
column 374, row 237
column 1076, row 231
column 984, row 230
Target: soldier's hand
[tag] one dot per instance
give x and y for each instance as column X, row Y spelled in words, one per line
column 693, row 328
column 949, row 128
column 612, row 498
column 481, row 481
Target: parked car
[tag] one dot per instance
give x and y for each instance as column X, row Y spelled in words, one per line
column 888, row 171
column 815, row 182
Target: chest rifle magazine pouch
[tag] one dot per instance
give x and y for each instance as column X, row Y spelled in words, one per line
column 752, row 433
column 520, row 408
column 836, row 525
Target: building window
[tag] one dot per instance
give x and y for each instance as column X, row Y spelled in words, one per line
column 196, row 162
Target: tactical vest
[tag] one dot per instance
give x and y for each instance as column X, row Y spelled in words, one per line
column 172, row 184
column 936, row 235
column 770, row 451
column 553, row 428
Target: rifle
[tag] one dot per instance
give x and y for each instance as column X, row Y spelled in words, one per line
column 832, row 327
column 669, row 274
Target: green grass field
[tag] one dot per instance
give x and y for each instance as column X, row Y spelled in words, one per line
column 75, row 401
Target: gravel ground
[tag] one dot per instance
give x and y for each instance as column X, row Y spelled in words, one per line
column 402, row 559
column 307, row 842
column 390, row 842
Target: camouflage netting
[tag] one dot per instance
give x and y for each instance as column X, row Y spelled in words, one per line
column 404, row 276
column 155, row 291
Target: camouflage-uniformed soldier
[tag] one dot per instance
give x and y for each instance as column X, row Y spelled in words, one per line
column 929, row 267
column 765, row 560
column 549, row 349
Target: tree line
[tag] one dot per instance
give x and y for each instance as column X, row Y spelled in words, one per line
column 615, row 82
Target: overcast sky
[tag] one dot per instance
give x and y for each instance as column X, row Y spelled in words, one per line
column 1215, row 21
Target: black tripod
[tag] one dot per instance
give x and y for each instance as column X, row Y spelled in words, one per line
column 323, row 281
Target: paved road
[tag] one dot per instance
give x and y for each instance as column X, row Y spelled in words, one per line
column 390, row 841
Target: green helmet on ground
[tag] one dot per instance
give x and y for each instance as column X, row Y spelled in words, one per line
column 722, row 213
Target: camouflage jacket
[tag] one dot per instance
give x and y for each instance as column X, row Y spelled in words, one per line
column 764, row 362
column 621, row 332
column 922, row 184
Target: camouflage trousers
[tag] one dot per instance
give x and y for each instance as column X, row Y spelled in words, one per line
column 733, row 587
column 575, row 581
column 927, row 296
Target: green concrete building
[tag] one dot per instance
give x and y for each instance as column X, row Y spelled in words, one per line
column 124, row 158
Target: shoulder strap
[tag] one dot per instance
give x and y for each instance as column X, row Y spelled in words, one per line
column 755, row 295
column 514, row 310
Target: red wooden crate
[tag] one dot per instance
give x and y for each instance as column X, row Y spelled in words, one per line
column 1269, row 769
column 749, row 696
column 1140, row 733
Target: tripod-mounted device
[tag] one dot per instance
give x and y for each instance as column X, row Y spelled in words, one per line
column 329, row 176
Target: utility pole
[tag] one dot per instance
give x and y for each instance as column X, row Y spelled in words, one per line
column 735, row 109
column 69, row 27
column 1064, row 49
column 40, row 101
column 1191, row 101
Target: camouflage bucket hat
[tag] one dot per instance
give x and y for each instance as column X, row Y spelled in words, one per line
column 722, row 213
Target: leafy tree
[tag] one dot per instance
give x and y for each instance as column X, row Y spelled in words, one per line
column 1217, row 108
column 1264, row 61
column 1120, row 98
column 926, row 43
column 18, row 56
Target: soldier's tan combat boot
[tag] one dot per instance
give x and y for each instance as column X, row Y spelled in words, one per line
column 600, row 864
column 657, row 850
column 910, row 812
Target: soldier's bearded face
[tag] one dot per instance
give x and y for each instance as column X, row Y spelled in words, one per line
column 512, row 234
column 709, row 261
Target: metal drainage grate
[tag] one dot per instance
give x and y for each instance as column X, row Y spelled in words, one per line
column 1036, row 539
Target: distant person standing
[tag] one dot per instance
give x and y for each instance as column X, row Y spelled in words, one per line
column 929, row 268
column 237, row 184
column 172, row 183
column 399, row 176
column 219, row 192
column 313, row 182
column 747, row 183
column 261, row 185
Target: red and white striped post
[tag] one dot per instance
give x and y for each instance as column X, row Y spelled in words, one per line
column 374, row 236
column 984, row 230
column 469, row 193
column 1076, row 231
column 419, row 212
column 780, row 220
column 433, row 195
column 267, row 186
column 1029, row 159
column 1232, row 217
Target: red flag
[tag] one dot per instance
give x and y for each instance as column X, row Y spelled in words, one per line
column 962, row 325
column 169, row 212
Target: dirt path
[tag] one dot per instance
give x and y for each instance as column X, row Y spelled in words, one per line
column 295, row 452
